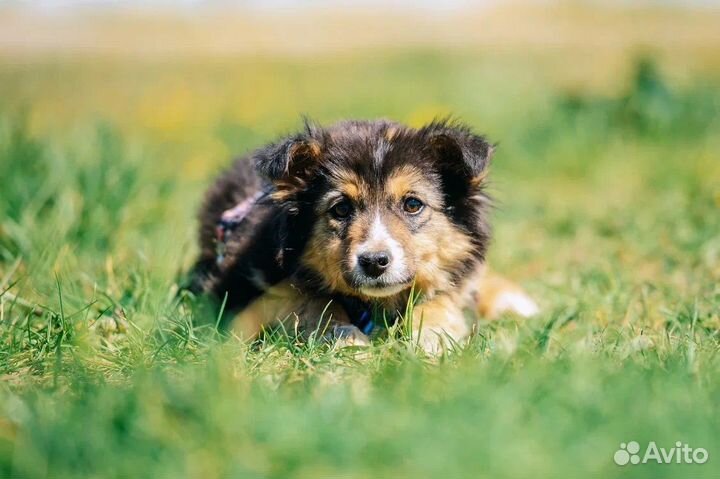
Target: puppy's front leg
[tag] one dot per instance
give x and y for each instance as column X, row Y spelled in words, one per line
column 285, row 304
column 329, row 319
column 495, row 295
column 439, row 323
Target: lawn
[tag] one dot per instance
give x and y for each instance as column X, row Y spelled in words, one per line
column 607, row 189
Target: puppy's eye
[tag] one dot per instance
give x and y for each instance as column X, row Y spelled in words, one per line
column 341, row 210
column 412, row 205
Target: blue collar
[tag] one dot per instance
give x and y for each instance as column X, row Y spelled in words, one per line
column 365, row 322
column 359, row 312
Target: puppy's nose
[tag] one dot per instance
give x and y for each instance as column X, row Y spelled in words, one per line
column 373, row 264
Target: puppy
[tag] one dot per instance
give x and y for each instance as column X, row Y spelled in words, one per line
column 320, row 229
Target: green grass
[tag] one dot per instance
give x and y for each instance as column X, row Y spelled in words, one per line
column 608, row 212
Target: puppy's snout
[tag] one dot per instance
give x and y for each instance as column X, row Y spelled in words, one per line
column 374, row 263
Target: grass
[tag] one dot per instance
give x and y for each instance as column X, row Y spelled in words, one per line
column 608, row 212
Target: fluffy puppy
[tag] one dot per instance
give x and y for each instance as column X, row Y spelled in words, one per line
column 320, row 228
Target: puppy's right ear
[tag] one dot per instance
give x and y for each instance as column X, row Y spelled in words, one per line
column 289, row 164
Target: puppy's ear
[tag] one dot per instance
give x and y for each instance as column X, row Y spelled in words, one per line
column 289, row 164
column 462, row 156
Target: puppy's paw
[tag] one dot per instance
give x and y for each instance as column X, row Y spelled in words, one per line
column 434, row 342
column 516, row 302
column 348, row 335
column 497, row 295
column 431, row 343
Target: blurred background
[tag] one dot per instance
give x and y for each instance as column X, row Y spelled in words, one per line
column 134, row 106
column 115, row 116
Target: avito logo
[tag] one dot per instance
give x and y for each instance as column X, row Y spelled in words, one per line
column 629, row 453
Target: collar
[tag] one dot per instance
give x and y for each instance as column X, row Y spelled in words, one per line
column 360, row 313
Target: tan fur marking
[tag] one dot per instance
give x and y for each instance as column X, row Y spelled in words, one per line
column 314, row 147
column 309, row 149
column 439, row 323
column 284, row 303
column 391, row 132
column 283, row 191
column 409, row 179
column 274, row 305
column 400, row 183
column 357, row 232
column 350, row 185
column 438, row 253
column 478, row 180
column 351, row 190
column 323, row 254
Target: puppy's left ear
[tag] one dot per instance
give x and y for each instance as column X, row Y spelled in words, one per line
column 289, row 164
column 462, row 156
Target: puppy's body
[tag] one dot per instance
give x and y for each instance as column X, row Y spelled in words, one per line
column 360, row 213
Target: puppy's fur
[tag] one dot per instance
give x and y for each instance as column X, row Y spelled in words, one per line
column 361, row 212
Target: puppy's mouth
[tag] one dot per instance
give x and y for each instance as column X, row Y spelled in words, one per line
column 383, row 291
column 380, row 288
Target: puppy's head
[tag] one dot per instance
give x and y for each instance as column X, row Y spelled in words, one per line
column 389, row 206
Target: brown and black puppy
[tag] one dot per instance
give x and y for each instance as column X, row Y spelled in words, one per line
column 321, row 227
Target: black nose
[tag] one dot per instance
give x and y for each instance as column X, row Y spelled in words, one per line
column 374, row 264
